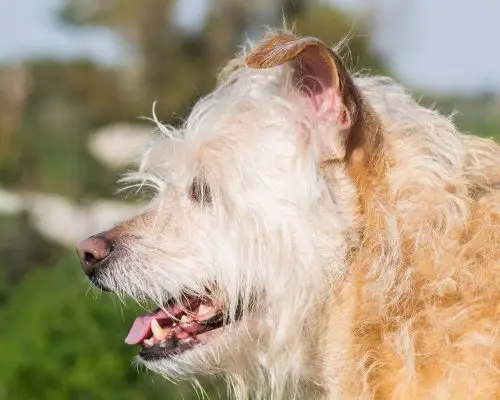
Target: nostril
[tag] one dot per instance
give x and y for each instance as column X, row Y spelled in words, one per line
column 89, row 259
column 93, row 250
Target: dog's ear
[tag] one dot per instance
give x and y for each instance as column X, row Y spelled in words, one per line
column 318, row 74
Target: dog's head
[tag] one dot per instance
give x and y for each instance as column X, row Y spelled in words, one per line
column 250, row 230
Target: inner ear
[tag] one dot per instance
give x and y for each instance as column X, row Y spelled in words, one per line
column 315, row 76
column 315, row 73
column 320, row 82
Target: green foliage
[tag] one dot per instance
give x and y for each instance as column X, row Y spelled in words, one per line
column 21, row 247
column 60, row 342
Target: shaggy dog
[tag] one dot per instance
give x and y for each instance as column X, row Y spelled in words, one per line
column 314, row 235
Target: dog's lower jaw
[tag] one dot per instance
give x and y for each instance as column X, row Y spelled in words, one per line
column 217, row 348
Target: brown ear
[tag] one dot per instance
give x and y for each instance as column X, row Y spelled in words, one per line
column 318, row 72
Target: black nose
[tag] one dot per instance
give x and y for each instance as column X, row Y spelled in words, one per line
column 93, row 250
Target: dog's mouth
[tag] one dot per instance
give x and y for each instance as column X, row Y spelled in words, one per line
column 175, row 328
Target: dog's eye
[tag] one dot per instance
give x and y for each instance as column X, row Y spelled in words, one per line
column 199, row 192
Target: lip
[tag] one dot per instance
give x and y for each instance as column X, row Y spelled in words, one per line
column 167, row 350
column 177, row 347
column 177, row 327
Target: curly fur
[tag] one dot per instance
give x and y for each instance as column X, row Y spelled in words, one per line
column 371, row 275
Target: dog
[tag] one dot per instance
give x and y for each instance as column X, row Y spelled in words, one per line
column 314, row 234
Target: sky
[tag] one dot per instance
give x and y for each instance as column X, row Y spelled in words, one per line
column 448, row 45
column 435, row 45
column 29, row 28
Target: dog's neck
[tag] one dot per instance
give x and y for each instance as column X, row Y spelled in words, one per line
column 367, row 164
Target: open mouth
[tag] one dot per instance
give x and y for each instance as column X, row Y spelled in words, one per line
column 175, row 328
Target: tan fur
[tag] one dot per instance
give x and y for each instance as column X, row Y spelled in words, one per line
column 366, row 245
column 432, row 330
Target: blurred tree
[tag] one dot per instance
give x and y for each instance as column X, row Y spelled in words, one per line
column 176, row 66
column 146, row 28
column 66, row 102
column 14, row 89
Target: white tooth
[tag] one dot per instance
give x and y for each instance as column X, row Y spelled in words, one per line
column 149, row 342
column 184, row 319
column 158, row 332
column 204, row 310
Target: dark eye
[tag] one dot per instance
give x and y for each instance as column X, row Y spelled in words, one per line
column 199, row 192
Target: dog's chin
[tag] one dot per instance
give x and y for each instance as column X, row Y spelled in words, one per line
column 207, row 357
column 175, row 350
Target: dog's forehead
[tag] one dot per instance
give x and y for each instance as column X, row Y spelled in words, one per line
column 251, row 113
column 243, row 126
column 248, row 147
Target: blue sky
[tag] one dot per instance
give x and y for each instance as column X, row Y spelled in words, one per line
column 439, row 45
column 30, row 28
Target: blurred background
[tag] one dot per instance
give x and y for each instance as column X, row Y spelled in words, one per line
column 75, row 78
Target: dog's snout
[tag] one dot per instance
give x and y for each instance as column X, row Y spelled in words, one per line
column 93, row 250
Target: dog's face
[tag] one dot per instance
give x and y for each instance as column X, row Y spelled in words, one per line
column 247, row 236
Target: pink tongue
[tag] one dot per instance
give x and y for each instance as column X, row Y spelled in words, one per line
column 141, row 329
